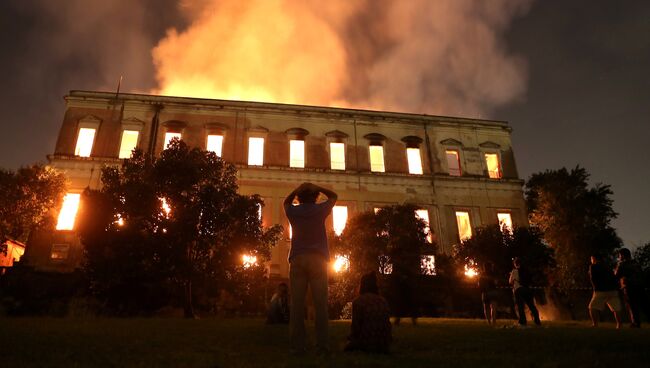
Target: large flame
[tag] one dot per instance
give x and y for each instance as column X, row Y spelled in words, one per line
column 440, row 57
column 272, row 51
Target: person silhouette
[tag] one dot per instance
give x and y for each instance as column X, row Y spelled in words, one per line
column 308, row 261
column 371, row 328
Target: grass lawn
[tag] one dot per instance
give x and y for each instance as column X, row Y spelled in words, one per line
column 51, row 342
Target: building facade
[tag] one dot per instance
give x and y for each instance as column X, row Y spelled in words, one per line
column 460, row 172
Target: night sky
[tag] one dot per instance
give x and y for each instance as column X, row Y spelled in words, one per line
column 587, row 101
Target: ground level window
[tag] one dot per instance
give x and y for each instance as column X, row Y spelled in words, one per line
column 339, row 218
column 505, row 221
column 60, row 251
column 428, row 265
column 423, row 214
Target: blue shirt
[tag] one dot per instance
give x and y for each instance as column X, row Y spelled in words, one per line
column 308, row 228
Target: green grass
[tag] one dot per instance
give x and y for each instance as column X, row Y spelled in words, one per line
column 51, row 342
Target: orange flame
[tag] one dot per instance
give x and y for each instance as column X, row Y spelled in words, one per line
column 268, row 51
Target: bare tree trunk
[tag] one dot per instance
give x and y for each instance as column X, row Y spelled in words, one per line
column 188, row 307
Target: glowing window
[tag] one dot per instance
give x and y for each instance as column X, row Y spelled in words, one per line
column 296, row 153
column 385, row 265
column 464, row 225
column 168, row 138
column 453, row 162
column 428, row 265
column 68, row 211
column 337, row 156
column 290, row 232
column 259, row 212
column 414, row 160
column 85, row 141
column 492, row 162
column 60, row 251
column 340, row 218
column 256, row 151
column 128, row 144
column 215, row 144
column 505, row 222
column 424, row 216
column 377, row 158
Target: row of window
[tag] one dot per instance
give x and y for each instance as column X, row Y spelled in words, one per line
column 465, row 225
column 70, row 206
column 129, row 142
column 491, row 162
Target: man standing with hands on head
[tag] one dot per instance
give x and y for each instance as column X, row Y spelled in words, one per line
column 308, row 261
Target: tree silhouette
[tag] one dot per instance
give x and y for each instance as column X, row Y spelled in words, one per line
column 180, row 222
column 575, row 219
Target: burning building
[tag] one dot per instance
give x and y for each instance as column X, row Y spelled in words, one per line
column 460, row 172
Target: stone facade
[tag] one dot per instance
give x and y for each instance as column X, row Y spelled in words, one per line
column 442, row 194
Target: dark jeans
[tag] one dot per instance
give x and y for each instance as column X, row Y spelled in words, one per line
column 637, row 302
column 524, row 296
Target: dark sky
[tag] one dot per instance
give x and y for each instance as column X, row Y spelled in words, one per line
column 587, row 103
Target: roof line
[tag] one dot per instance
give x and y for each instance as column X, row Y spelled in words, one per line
column 321, row 109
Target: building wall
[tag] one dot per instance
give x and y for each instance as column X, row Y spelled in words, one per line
column 358, row 187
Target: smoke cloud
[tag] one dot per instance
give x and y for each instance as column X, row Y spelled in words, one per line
column 439, row 57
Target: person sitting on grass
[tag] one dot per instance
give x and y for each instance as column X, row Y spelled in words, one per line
column 371, row 328
column 278, row 312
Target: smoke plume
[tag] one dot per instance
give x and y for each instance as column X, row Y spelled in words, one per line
column 438, row 57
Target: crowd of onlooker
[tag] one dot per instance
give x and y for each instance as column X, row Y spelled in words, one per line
column 371, row 327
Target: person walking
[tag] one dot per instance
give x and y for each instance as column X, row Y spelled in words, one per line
column 605, row 291
column 520, row 282
column 308, row 261
column 628, row 272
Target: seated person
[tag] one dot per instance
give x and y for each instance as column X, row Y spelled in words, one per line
column 279, row 308
column 371, row 328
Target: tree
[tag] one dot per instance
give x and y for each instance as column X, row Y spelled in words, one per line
column 28, row 196
column 490, row 244
column 575, row 219
column 642, row 256
column 180, row 221
column 392, row 239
